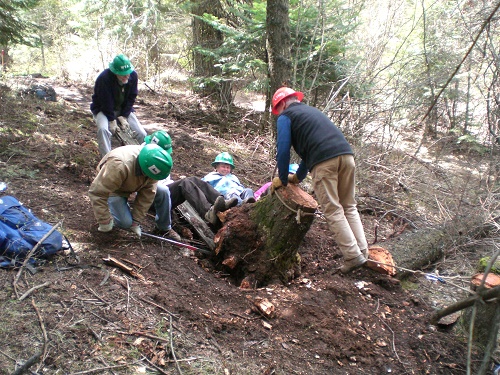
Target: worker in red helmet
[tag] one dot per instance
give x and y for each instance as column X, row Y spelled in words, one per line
column 326, row 153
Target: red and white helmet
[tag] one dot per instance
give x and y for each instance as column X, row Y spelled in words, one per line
column 283, row 93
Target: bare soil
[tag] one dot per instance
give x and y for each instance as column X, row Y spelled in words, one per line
column 185, row 315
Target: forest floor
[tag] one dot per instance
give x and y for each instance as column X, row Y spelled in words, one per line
column 184, row 315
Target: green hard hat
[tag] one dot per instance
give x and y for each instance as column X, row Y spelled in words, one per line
column 223, row 157
column 160, row 138
column 121, row 65
column 155, row 162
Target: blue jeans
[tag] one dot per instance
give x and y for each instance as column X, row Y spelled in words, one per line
column 120, row 210
column 104, row 135
column 246, row 193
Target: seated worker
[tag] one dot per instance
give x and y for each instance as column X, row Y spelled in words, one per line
column 115, row 91
column 224, row 181
column 206, row 201
column 122, row 172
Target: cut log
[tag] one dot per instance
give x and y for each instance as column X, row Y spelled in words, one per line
column 264, row 307
column 380, row 260
column 116, row 263
column 417, row 249
column 258, row 243
column 414, row 250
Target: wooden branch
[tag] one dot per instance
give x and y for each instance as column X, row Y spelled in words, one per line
column 30, row 362
column 485, row 295
column 42, row 327
column 33, row 289
column 160, row 307
column 485, row 23
column 172, row 347
column 102, row 369
column 152, row 364
column 116, row 263
column 32, row 251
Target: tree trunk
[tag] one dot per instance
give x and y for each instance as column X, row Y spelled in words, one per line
column 278, row 47
column 416, row 249
column 258, row 243
column 206, row 37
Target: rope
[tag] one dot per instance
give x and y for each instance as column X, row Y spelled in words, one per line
column 299, row 212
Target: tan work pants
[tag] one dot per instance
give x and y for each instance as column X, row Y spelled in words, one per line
column 334, row 184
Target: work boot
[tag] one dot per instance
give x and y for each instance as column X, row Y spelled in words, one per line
column 170, row 233
column 352, row 264
column 365, row 253
column 173, row 235
column 219, row 204
column 230, row 203
column 211, row 216
column 249, row 200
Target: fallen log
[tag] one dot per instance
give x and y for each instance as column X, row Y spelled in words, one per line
column 258, row 243
column 487, row 296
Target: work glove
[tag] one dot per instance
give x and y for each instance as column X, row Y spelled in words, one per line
column 123, row 121
column 292, row 178
column 106, row 227
column 276, row 183
column 112, row 126
column 136, row 229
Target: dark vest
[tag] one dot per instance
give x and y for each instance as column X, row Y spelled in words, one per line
column 314, row 137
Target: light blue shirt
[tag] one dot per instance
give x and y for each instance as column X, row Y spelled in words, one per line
column 228, row 185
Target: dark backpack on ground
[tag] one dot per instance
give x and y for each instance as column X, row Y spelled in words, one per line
column 20, row 231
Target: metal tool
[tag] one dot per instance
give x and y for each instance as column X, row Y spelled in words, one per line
column 176, row 243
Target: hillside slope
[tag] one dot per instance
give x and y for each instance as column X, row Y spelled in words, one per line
column 186, row 316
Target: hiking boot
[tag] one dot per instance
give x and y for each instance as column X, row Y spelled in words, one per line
column 249, row 200
column 230, row 203
column 219, row 205
column 173, row 235
column 352, row 264
column 211, row 215
column 170, row 233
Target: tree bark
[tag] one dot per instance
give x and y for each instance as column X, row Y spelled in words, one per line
column 258, row 243
column 207, row 37
column 278, row 46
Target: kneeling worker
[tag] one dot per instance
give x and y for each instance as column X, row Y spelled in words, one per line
column 122, row 172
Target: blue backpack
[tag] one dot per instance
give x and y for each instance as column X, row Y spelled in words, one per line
column 20, row 231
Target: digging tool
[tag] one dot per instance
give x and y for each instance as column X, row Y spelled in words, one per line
column 176, row 243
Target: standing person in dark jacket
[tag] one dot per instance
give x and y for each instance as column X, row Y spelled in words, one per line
column 327, row 154
column 114, row 96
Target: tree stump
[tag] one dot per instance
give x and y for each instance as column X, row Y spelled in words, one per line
column 258, row 243
column 485, row 331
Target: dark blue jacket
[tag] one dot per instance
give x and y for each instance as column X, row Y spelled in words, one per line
column 313, row 136
column 107, row 92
